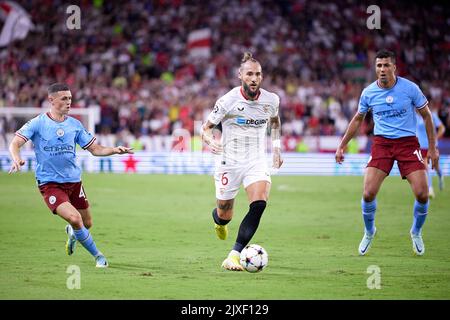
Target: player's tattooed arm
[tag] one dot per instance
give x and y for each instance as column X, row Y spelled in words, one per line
column 208, row 137
column 275, row 135
column 275, row 128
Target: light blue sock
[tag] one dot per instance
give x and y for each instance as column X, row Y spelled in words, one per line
column 430, row 180
column 420, row 214
column 439, row 172
column 368, row 212
column 85, row 238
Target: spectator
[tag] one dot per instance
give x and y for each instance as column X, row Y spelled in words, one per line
column 131, row 60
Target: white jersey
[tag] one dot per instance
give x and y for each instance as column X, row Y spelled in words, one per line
column 244, row 125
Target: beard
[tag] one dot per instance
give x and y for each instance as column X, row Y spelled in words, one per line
column 249, row 92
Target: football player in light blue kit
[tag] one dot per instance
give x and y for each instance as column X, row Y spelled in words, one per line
column 393, row 101
column 55, row 136
column 423, row 141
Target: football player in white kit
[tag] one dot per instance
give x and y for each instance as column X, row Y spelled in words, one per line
column 245, row 112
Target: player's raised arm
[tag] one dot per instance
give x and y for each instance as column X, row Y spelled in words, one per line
column 352, row 129
column 14, row 150
column 101, row 151
column 208, row 137
column 275, row 135
column 433, row 152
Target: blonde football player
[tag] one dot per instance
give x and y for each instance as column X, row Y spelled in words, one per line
column 245, row 112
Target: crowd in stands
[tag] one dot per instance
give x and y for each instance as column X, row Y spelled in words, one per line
column 130, row 59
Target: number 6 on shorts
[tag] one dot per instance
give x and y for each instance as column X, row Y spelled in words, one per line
column 224, row 179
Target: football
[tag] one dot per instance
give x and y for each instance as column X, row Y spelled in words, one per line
column 254, row 258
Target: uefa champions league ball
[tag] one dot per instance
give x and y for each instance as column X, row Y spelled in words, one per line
column 254, row 258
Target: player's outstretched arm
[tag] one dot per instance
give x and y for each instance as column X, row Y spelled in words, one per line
column 440, row 131
column 14, row 150
column 275, row 136
column 353, row 127
column 208, row 138
column 101, row 151
column 433, row 152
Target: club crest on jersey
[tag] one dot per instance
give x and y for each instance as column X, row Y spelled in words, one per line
column 266, row 108
column 60, row 132
column 52, row 199
column 389, row 99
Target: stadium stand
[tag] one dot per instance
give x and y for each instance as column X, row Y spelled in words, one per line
column 132, row 60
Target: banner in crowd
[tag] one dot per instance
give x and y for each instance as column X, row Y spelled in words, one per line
column 203, row 163
column 199, row 43
column 17, row 22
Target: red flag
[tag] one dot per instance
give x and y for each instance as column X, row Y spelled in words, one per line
column 199, row 43
column 17, row 22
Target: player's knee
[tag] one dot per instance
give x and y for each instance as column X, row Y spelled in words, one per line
column 76, row 221
column 422, row 195
column 369, row 195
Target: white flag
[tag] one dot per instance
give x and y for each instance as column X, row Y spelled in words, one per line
column 199, row 43
column 17, row 22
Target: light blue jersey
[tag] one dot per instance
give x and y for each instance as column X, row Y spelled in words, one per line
column 422, row 132
column 394, row 109
column 55, row 147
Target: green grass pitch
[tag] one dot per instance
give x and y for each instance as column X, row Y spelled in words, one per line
column 157, row 232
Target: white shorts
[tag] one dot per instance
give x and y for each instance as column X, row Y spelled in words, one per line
column 228, row 180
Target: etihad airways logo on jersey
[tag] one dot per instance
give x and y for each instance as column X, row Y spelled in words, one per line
column 251, row 122
column 59, row 150
column 391, row 113
column 64, row 147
